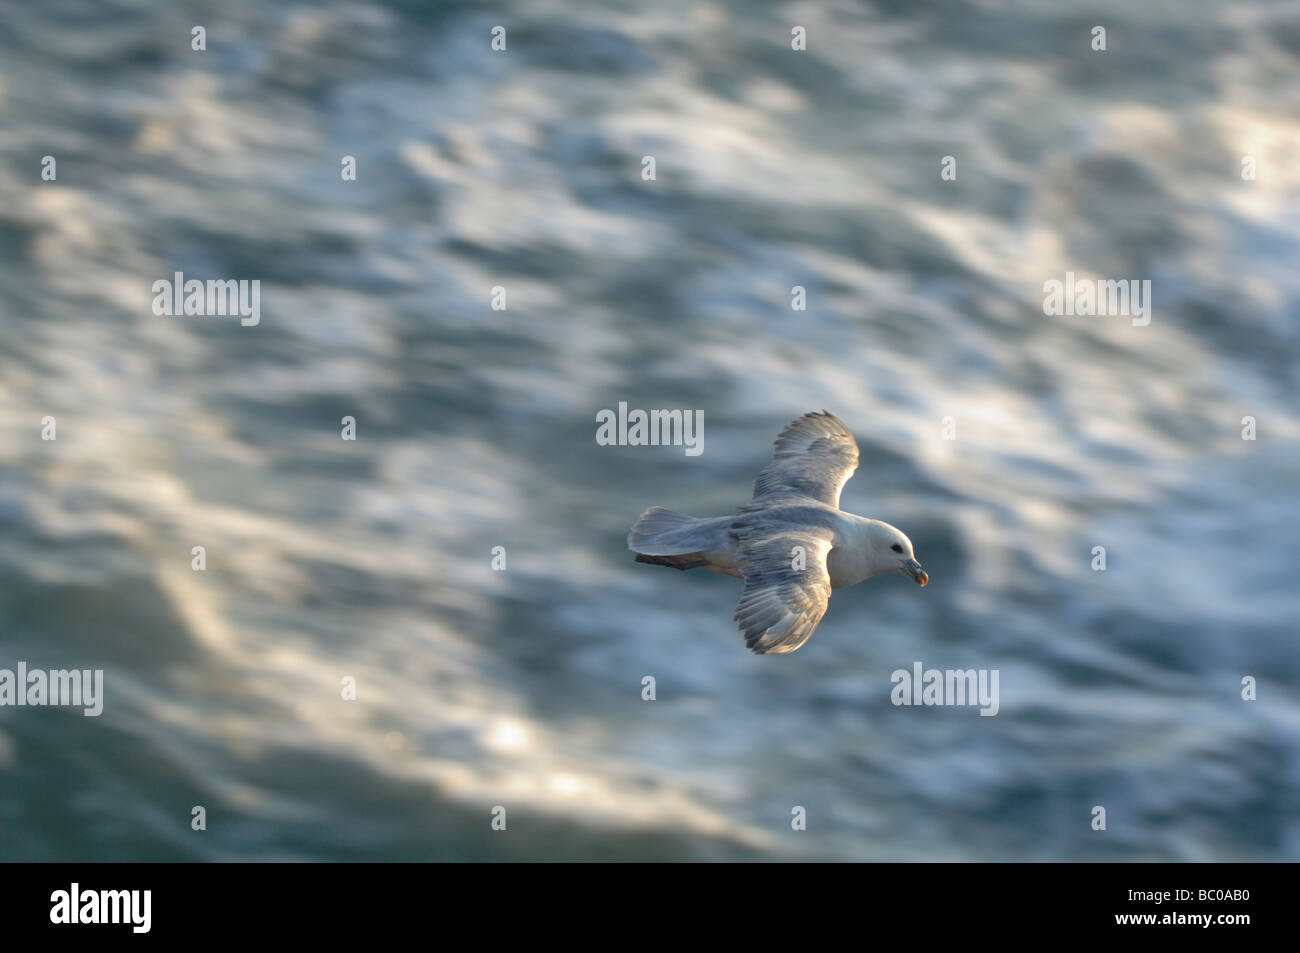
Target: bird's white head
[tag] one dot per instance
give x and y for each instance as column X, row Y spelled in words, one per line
column 892, row 552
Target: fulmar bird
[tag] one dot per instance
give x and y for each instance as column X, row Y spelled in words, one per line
column 792, row 544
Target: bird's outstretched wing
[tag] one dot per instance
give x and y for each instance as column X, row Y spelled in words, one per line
column 786, row 586
column 814, row 457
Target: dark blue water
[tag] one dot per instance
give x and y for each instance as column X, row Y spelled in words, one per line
column 372, row 559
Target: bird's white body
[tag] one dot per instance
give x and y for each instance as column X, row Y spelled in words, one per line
column 852, row 559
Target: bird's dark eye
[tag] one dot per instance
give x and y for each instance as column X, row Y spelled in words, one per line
column 896, row 548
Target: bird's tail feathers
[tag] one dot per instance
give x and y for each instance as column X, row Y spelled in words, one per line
column 687, row 561
column 665, row 538
column 663, row 532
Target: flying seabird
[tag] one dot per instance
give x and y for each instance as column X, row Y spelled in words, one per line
column 792, row 544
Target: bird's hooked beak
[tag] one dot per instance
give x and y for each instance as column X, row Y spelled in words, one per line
column 913, row 569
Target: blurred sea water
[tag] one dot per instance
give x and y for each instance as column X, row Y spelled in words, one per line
column 371, row 559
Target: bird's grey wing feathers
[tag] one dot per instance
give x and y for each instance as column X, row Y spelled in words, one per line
column 814, row 457
column 786, row 584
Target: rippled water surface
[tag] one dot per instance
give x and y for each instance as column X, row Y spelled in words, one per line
column 371, row 559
